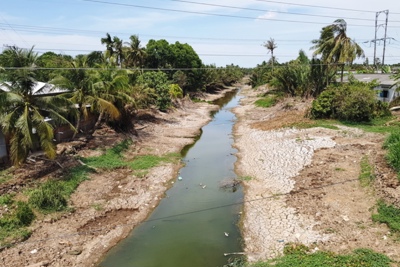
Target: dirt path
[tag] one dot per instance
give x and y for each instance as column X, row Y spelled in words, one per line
column 304, row 184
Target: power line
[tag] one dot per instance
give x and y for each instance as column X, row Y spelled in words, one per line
column 323, row 7
column 213, row 14
column 274, row 11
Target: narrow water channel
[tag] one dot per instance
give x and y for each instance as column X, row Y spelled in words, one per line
column 196, row 222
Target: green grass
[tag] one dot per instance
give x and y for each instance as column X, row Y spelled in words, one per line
column 375, row 126
column 13, row 224
column 5, row 176
column 111, row 159
column 52, row 195
column 392, row 144
column 114, row 159
column 300, row 256
column 366, row 176
column 267, row 101
column 389, row 215
column 316, row 123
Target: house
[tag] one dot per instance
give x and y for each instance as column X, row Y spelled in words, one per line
column 41, row 89
column 386, row 91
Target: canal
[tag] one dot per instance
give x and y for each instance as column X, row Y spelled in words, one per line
column 196, row 222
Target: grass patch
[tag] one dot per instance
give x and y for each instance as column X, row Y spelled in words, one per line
column 379, row 125
column 301, row 256
column 389, row 215
column 52, row 195
column 267, row 101
column 5, row 176
column 6, row 199
column 245, row 178
column 366, row 176
column 13, row 223
column 315, row 123
column 111, row 159
column 114, row 159
column 392, row 144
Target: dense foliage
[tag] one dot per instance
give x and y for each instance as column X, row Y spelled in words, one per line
column 348, row 102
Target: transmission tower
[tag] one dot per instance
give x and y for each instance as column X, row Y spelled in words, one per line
column 386, row 12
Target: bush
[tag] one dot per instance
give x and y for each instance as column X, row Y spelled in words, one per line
column 48, row 197
column 348, row 102
column 358, row 105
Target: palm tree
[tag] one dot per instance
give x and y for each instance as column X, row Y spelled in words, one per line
column 26, row 117
column 113, row 85
column 85, row 93
column 336, row 47
column 109, row 45
column 271, row 46
column 114, row 47
column 135, row 53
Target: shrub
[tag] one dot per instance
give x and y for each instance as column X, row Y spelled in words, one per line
column 358, row 105
column 175, row 91
column 348, row 102
column 48, row 197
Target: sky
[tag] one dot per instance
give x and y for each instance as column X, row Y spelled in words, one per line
column 222, row 32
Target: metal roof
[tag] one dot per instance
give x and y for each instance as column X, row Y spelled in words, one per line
column 40, row 88
column 383, row 79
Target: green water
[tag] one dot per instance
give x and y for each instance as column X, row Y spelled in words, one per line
column 188, row 227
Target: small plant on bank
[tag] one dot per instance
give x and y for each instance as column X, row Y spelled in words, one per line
column 48, row 197
column 389, row 215
column 366, row 176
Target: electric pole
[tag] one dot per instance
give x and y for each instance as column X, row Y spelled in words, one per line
column 386, row 12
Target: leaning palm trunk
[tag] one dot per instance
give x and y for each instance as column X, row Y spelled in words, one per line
column 98, row 122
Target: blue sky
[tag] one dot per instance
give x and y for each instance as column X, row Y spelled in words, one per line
column 221, row 31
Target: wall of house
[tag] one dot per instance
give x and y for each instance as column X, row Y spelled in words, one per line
column 3, row 148
column 386, row 97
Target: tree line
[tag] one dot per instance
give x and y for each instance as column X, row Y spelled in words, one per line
column 111, row 85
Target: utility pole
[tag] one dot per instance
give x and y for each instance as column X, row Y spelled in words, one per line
column 376, row 32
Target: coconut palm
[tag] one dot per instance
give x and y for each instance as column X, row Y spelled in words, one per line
column 113, row 85
column 86, row 92
column 27, row 118
column 271, row 46
column 335, row 47
column 114, row 48
column 135, row 54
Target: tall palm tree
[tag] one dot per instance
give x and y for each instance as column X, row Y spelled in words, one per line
column 135, row 53
column 114, row 48
column 335, row 47
column 26, row 117
column 108, row 41
column 271, row 46
column 85, row 93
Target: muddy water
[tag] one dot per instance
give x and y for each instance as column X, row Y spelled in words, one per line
column 196, row 222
